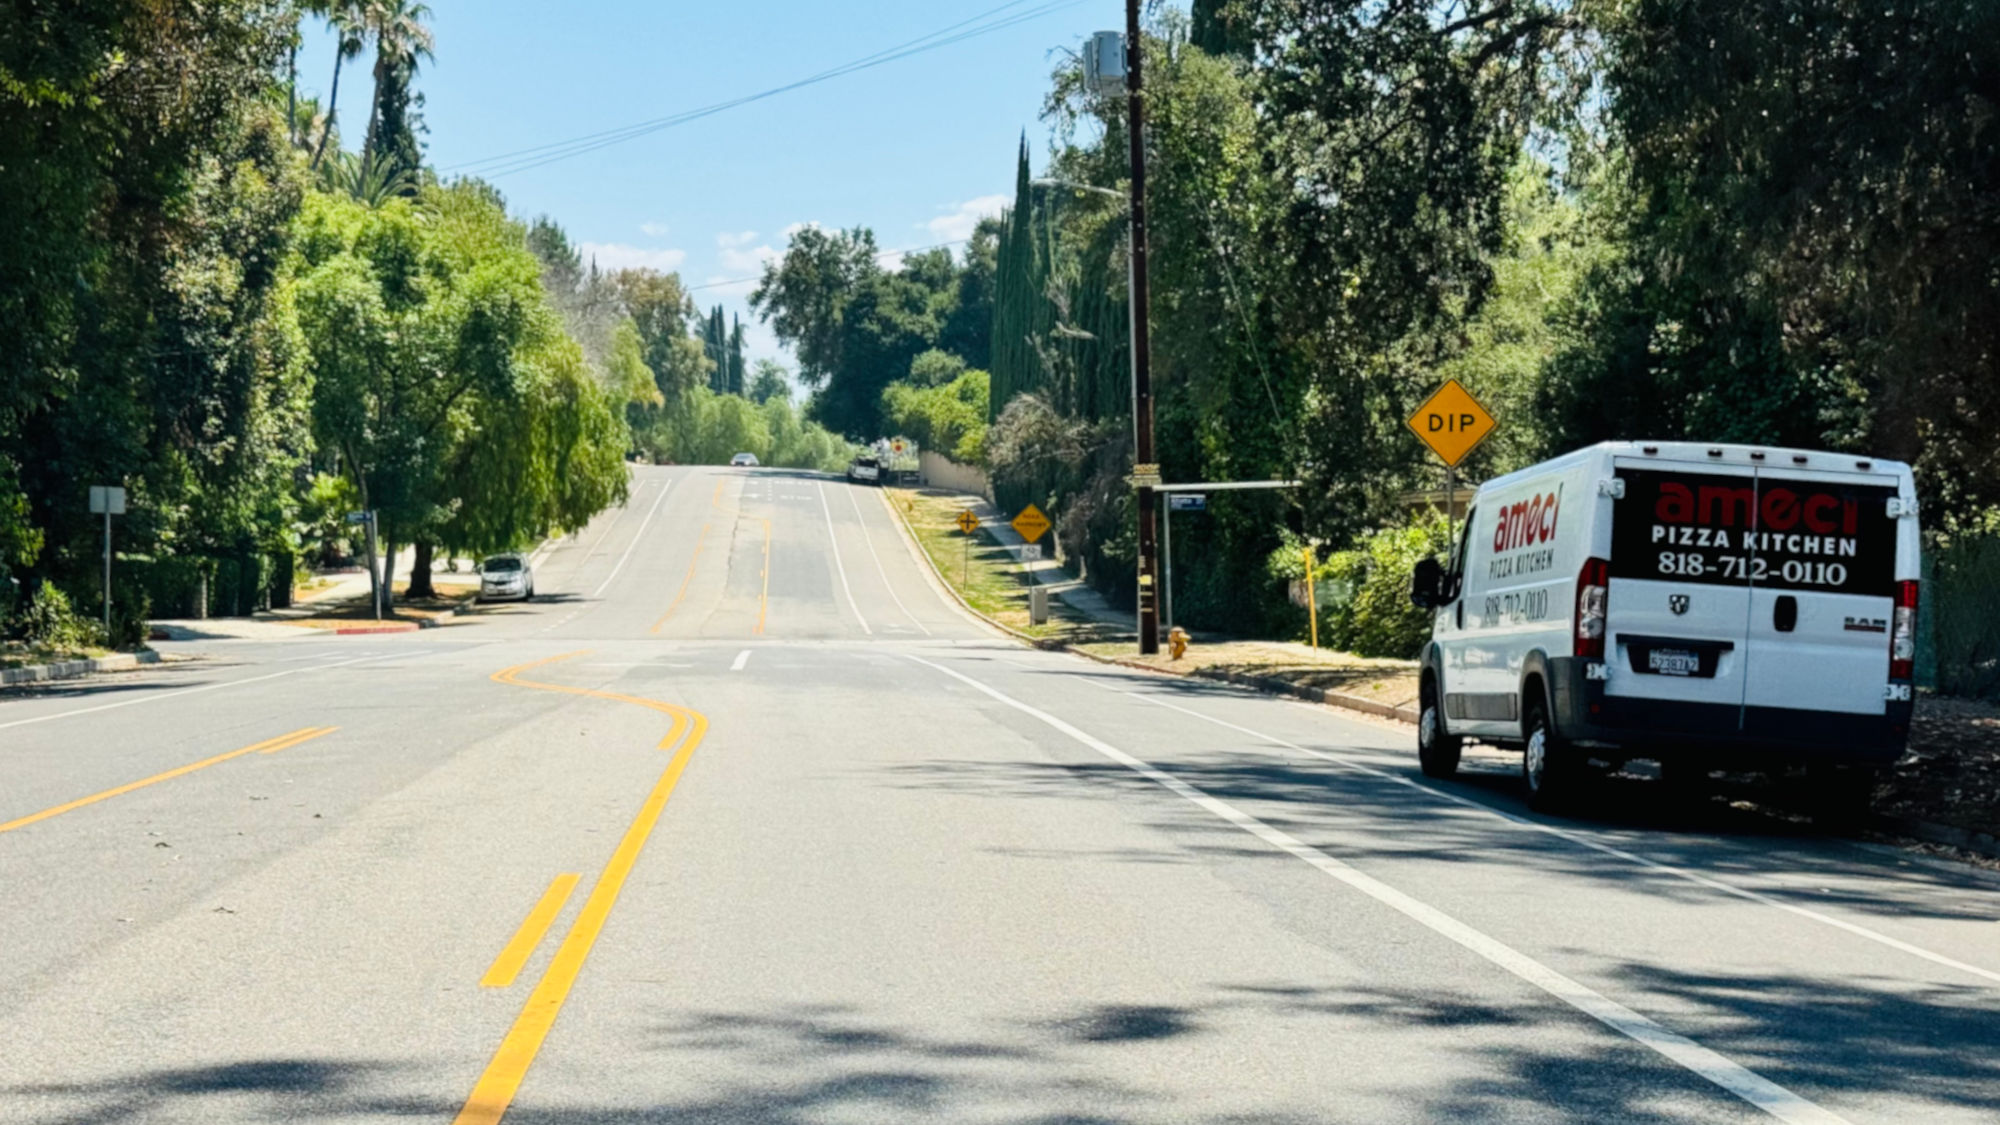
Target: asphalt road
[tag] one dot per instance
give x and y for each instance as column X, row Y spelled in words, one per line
column 743, row 821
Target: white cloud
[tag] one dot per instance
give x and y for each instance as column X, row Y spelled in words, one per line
column 797, row 227
column 957, row 222
column 740, row 259
column 891, row 260
column 653, row 230
column 618, row 256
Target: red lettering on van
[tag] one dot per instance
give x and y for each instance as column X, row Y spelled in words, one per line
column 1817, row 521
column 1676, row 504
column 1732, row 502
column 1780, row 510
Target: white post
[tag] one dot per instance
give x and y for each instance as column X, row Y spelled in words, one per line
column 1167, row 548
column 107, row 568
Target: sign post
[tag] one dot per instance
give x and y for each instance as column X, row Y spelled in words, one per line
column 1312, row 600
column 367, row 519
column 1032, row 525
column 1452, row 423
column 969, row 524
column 109, row 499
column 1176, row 502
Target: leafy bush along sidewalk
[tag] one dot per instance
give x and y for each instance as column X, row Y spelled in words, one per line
column 992, row 584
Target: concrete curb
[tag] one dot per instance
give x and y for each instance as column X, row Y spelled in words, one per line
column 1982, row 843
column 70, row 669
column 1262, row 683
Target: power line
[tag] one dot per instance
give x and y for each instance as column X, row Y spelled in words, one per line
column 522, row 160
column 878, row 257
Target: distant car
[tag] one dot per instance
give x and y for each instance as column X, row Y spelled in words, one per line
column 864, row 470
column 506, row 576
column 744, row 459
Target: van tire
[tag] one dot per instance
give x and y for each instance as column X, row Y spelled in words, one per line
column 1551, row 769
column 1438, row 751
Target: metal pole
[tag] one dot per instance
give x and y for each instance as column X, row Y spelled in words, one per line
column 374, row 578
column 1450, row 503
column 1312, row 599
column 107, row 566
column 1142, row 377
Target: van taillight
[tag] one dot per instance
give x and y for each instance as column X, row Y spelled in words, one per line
column 1903, row 633
column 1592, row 596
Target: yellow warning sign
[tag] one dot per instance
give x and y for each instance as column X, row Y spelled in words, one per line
column 967, row 522
column 1031, row 523
column 1452, row 422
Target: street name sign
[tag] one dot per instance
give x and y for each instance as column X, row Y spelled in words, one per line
column 1452, row 422
column 1031, row 523
column 1187, row 502
column 967, row 522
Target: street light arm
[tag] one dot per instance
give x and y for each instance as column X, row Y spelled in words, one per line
column 1074, row 186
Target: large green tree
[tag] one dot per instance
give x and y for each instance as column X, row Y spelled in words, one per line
column 146, row 191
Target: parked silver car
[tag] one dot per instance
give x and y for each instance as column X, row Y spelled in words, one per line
column 506, row 576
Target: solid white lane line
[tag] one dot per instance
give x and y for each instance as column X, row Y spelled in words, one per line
column 1732, row 1076
column 665, row 487
column 742, row 658
column 838, row 565
column 1585, row 841
column 879, row 568
column 171, row 693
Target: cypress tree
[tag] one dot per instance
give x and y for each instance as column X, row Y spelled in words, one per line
column 735, row 355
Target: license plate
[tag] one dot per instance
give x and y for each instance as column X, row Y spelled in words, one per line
column 1673, row 662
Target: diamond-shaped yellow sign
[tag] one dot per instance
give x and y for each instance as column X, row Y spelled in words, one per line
column 1031, row 523
column 1452, row 422
column 968, row 522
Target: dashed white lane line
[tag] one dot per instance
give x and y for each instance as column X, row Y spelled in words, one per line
column 1578, row 838
column 742, row 658
column 838, row 565
column 1732, row 1076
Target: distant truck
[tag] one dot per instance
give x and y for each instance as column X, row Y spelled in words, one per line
column 864, row 469
column 1708, row 607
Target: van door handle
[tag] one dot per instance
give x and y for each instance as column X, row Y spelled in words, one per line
column 1785, row 615
column 1461, row 613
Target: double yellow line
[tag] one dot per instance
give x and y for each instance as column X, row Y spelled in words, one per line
column 268, row 746
column 501, row 1080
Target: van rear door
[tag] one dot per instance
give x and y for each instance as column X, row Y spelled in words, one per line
column 1822, row 601
column 1679, row 603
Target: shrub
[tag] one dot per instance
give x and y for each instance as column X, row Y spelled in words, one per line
column 49, row 621
column 1367, row 607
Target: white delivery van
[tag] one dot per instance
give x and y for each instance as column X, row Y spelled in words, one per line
column 1704, row 606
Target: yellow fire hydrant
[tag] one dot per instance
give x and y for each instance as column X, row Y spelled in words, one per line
column 1177, row 642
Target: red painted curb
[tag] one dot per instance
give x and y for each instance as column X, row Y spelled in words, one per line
column 386, row 627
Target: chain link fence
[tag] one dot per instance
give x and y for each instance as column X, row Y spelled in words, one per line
column 1959, row 617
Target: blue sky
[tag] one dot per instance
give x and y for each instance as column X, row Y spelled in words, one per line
column 916, row 148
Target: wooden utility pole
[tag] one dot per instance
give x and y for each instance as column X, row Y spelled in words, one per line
column 1146, row 466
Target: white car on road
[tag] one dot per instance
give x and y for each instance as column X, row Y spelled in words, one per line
column 506, row 576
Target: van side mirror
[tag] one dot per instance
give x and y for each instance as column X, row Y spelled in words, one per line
column 1427, row 584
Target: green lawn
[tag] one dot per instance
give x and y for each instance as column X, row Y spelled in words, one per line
column 983, row 572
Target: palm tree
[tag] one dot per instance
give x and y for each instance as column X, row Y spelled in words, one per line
column 402, row 40
column 350, row 26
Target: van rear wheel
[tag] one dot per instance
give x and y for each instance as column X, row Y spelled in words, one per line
column 1438, row 752
column 1551, row 768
